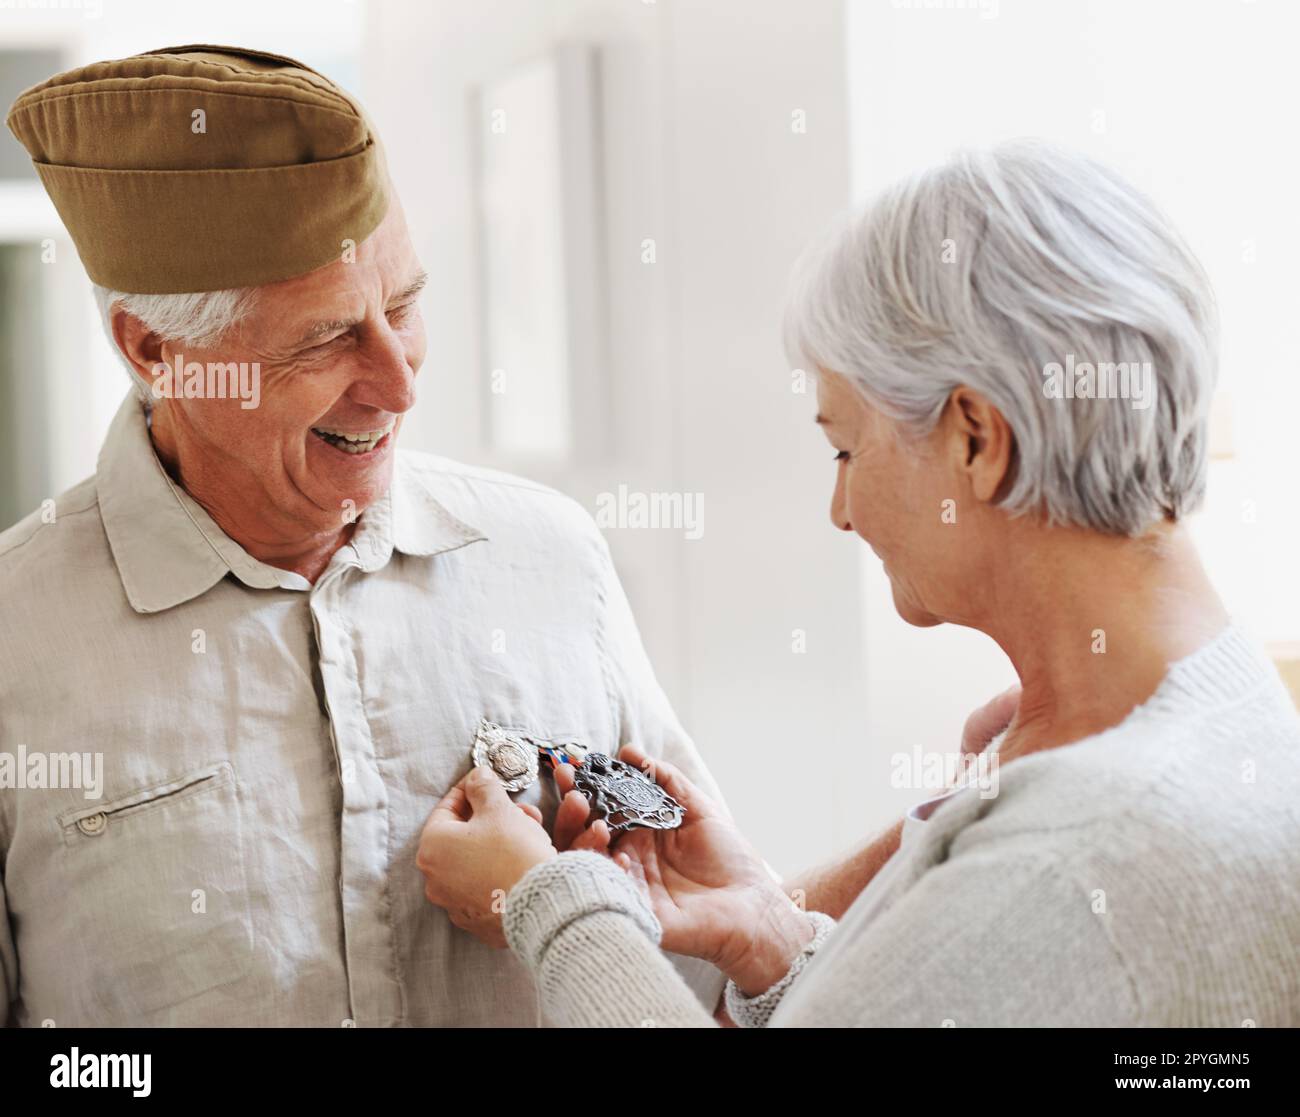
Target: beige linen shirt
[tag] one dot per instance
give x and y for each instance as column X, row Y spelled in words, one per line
column 271, row 749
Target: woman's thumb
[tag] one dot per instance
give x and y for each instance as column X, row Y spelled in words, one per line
column 989, row 720
column 484, row 790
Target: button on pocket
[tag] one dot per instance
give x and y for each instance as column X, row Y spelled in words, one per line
column 159, row 874
column 92, row 824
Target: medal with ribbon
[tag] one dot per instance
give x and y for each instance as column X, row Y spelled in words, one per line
column 624, row 796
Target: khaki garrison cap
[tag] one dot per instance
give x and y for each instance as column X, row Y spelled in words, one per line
column 279, row 169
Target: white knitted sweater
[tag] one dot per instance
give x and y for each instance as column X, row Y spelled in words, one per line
column 1149, row 875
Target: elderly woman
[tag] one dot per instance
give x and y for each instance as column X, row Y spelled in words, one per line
column 1016, row 356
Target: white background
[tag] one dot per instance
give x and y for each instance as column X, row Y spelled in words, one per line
column 1194, row 101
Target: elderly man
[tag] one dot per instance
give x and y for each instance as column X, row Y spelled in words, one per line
column 283, row 636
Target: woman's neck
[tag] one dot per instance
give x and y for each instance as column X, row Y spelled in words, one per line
column 1092, row 624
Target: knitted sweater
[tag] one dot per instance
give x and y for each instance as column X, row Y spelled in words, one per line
column 1148, row 875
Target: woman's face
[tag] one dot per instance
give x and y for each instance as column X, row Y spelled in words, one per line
column 892, row 490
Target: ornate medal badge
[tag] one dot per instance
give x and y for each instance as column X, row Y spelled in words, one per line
column 511, row 755
column 624, row 796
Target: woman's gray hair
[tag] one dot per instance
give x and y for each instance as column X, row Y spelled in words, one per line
column 198, row 318
column 996, row 270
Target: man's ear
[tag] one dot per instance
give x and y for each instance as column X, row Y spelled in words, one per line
column 982, row 441
column 141, row 347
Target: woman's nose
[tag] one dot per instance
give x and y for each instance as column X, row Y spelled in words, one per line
column 840, row 505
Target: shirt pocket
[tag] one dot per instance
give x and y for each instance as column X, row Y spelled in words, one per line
column 158, row 878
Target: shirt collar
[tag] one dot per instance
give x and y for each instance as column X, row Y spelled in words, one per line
column 168, row 550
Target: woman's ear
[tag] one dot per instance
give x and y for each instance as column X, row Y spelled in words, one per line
column 982, row 440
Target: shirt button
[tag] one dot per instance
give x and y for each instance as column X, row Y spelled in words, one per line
column 93, row 824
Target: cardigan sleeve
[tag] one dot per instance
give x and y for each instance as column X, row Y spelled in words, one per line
column 592, row 944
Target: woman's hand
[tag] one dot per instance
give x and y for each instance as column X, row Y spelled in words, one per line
column 989, row 720
column 707, row 886
column 474, row 847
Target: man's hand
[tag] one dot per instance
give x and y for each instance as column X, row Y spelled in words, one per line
column 474, row 848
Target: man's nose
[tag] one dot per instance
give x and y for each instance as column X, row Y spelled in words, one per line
column 388, row 382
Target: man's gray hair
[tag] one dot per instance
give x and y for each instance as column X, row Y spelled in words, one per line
column 995, row 267
column 198, row 318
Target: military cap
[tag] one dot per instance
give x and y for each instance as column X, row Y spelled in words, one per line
column 199, row 168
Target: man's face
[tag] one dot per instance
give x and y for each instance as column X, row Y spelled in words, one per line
column 339, row 349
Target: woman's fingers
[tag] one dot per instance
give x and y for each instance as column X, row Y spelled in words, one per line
column 564, row 781
column 989, row 720
column 453, row 807
column 595, row 838
column 570, row 819
column 531, row 811
column 670, row 778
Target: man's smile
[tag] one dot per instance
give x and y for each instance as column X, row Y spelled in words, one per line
column 355, row 441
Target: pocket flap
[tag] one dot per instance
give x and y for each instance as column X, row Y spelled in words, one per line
column 213, row 775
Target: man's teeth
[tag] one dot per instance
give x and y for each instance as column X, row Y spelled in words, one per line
column 353, row 442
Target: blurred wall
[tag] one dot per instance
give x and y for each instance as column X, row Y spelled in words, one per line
column 1185, row 99
column 729, row 133
column 753, row 627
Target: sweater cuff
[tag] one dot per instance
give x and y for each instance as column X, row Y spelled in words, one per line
column 560, row 891
column 756, row 1011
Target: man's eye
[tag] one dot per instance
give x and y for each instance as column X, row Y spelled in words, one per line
column 403, row 311
column 327, row 343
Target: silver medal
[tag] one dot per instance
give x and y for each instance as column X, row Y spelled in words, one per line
column 511, row 755
column 625, row 796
